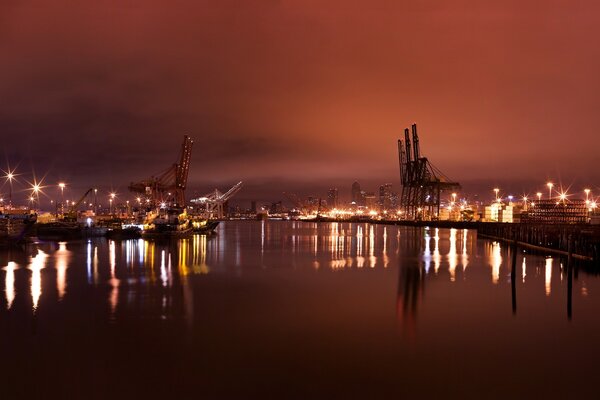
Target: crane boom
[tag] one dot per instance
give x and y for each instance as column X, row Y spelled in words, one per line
column 183, row 167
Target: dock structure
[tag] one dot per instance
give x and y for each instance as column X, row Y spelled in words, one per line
column 561, row 212
column 422, row 183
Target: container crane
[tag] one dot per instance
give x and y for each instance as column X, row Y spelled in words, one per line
column 213, row 202
column 168, row 186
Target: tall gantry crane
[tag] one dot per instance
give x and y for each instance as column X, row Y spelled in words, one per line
column 212, row 203
column 422, row 183
column 169, row 186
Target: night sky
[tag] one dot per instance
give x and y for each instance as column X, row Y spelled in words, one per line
column 301, row 95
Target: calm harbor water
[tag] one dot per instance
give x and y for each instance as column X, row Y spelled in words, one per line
column 296, row 310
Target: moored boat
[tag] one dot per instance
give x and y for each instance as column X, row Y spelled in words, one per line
column 15, row 225
column 170, row 223
column 204, row 227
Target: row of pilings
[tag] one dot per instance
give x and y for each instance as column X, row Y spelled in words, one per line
column 583, row 241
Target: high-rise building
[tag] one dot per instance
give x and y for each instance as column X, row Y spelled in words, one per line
column 356, row 193
column 332, row 198
column 385, row 196
column 369, row 200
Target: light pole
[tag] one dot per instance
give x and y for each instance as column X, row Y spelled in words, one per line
column 587, row 196
column 36, row 192
column 550, row 186
column 62, row 185
column 95, row 201
column 539, row 196
column 496, row 190
column 112, row 197
column 10, row 176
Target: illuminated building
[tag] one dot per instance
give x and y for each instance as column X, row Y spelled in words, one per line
column 370, row 200
column 385, row 196
column 332, row 198
column 356, row 194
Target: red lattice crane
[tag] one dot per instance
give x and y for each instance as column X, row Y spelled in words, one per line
column 168, row 186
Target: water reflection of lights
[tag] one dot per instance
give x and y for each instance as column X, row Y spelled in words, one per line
column 437, row 258
column 141, row 250
column 496, row 261
column 386, row 259
column 372, row 258
column 10, row 283
column 183, row 253
column 114, row 282
column 427, row 251
column 548, row 275
column 359, row 240
column 452, row 255
column 88, row 260
column 37, row 264
column 465, row 254
column 62, row 263
column 163, row 269
column 524, row 266
column 262, row 237
column 199, row 249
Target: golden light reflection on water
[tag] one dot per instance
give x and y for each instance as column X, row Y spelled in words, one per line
column 163, row 269
column 199, row 249
column 372, row 258
column 386, row 259
column 113, row 282
column 437, row 257
column 452, row 256
column 465, row 254
column 37, row 264
column 119, row 266
column 62, row 256
column 9, row 283
column 548, row 275
column 496, row 261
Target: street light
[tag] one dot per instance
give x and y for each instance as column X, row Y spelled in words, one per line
column 550, row 186
column 95, row 201
column 62, row 185
column 563, row 196
column 587, row 195
column 539, row 196
column 496, row 190
column 10, row 176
